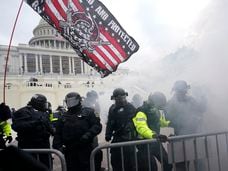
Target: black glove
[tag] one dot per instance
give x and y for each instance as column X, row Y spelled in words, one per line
column 107, row 138
column 9, row 139
column 86, row 138
column 161, row 138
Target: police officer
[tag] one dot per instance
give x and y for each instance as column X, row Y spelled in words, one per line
column 184, row 112
column 75, row 131
column 119, row 129
column 5, row 127
column 33, row 127
column 148, row 121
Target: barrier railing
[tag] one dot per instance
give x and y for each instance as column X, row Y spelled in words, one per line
column 195, row 152
column 49, row 151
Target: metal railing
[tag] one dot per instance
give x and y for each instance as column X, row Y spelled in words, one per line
column 49, row 151
column 51, row 156
column 195, row 152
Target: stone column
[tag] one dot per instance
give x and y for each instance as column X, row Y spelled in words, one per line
column 37, row 67
column 20, row 64
column 60, row 65
column 54, row 44
column 73, row 67
column 82, row 67
column 51, row 65
column 25, row 63
column 69, row 59
column 41, row 65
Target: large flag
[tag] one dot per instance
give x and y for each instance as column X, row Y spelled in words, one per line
column 91, row 29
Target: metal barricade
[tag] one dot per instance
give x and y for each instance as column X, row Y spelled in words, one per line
column 199, row 152
column 196, row 152
column 49, row 151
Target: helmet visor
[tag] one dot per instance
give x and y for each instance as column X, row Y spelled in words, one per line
column 46, row 106
column 71, row 102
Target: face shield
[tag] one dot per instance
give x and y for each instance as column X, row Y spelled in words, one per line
column 47, row 106
column 41, row 106
column 72, row 101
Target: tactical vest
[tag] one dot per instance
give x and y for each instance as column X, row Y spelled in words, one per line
column 124, row 127
column 74, row 126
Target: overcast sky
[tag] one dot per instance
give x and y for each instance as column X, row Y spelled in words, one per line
column 159, row 26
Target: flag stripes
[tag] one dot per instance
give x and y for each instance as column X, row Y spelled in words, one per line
column 105, row 57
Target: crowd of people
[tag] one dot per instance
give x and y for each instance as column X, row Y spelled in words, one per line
column 75, row 127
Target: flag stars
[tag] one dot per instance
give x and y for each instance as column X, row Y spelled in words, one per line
column 128, row 53
column 113, row 34
column 91, row 7
column 123, row 46
column 100, row 22
column 106, row 29
column 87, row 9
column 80, row 1
column 94, row 16
column 118, row 40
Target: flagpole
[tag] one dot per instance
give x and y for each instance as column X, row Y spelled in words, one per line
column 7, row 57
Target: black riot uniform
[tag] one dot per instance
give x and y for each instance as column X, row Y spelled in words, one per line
column 149, row 119
column 185, row 113
column 76, row 130
column 33, row 127
column 119, row 129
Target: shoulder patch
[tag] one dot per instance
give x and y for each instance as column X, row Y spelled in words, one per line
column 140, row 119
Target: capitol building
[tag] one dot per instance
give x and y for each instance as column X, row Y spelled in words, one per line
column 48, row 65
column 46, row 53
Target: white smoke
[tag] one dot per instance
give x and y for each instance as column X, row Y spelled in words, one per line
column 202, row 62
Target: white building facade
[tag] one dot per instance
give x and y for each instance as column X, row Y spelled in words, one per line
column 46, row 53
column 49, row 66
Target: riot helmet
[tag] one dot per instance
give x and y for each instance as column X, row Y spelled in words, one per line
column 119, row 95
column 181, row 86
column 39, row 102
column 73, row 99
column 157, row 99
column 118, row 92
column 92, row 95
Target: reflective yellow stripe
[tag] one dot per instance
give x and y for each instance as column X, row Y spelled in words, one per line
column 140, row 122
column 6, row 128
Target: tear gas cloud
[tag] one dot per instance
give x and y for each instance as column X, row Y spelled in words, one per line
column 202, row 62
